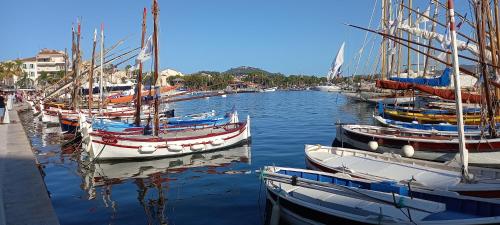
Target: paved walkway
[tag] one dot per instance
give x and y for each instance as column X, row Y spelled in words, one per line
column 23, row 196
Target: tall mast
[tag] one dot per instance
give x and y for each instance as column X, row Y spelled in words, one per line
column 479, row 8
column 497, row 24
column 101, row 92
column 494, row 49
column 429, row 43
column 399, row 34
column 156, row 119
column 418, row 46
column 76, row 90
column 91, row 74
column 458, row 95
column 383, row 52
column 73, row 48
column 409, row 37
column 138, row 100
column 65, row 62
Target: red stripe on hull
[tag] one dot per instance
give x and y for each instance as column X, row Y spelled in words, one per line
column 421, row 145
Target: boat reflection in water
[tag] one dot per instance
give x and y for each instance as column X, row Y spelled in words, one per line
column 155, row 176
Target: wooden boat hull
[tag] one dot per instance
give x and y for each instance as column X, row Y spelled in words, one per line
column 107, row 146
column 319, row 198
column 328, row 88
column 298, row 214
column 426, row 145
column 442, row 129
column 69, row 124
column 50, row 117
column 433, row 118
column 376, row 166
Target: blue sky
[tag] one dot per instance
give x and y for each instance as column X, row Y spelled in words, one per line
column 288, row 36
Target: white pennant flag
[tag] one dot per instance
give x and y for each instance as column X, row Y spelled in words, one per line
column 424, row 17
column 445, row 44
column 146, row 51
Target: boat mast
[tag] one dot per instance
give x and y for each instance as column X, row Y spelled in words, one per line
column 409, row 38
column 76, row 90
column 91, row 75
column 494, row 48
column 138, row 99
column 101, row 92
column 384, row 41
column 399, row 34
column 458, row 95
column 497, row 27
column 156, row 119
column 429, row 43
column 479, row 10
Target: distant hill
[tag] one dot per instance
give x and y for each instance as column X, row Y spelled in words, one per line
column 246, row 70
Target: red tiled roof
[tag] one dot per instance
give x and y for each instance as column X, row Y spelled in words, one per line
column 30, row 59
column 49, row 51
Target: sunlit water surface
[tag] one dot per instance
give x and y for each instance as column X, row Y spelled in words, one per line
column 213, row 188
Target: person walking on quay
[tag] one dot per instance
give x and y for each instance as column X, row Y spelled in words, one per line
column 2, row 106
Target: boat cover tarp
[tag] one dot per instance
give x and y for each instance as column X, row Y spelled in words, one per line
column 442, row 93
column 442, row 81
column 129, row 98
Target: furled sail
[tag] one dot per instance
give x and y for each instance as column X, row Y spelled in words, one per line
column 442, row 93
column 442, row 81
column 444, row 40
column 337, row 64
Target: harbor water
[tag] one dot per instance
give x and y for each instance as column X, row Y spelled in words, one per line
column 212, row 188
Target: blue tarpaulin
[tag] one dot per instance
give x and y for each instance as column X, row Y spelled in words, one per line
column 442, row 81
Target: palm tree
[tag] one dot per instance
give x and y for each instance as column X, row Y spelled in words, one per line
column 24, row 81
column 43, row 79
column 9, row 70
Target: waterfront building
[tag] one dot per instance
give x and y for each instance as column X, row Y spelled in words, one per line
column 46, row 61
column 165, row 74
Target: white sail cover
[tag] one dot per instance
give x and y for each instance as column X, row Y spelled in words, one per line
column 444, row 40
column 337, row 64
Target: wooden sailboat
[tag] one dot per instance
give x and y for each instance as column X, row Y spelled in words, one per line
column 311, row 197
column 370, row 196
column 425, row 145
column 109, row 145
column 393, row 167
column 334, row 72
column 431, row 145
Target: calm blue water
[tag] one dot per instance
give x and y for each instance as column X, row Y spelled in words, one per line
column 213, row 188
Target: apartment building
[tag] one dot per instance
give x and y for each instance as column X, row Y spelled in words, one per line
column 47, row 60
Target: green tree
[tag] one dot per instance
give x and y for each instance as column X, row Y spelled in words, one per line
column 9, row 70
column 43, row 79
column 24, row 81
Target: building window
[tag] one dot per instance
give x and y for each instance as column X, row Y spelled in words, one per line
column 32, row 74
column 24, row 66
column 31, row 66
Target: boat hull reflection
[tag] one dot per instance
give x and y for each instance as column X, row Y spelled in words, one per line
column 106, row 173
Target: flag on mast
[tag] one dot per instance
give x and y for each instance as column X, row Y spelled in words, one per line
column 146, row 51
column 424, row 17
